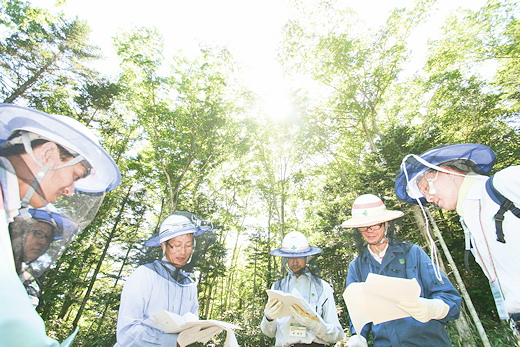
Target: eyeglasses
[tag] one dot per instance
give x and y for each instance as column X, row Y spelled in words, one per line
column 41, row 235
column 372, row 227
column 178, row 247
column 428, row 188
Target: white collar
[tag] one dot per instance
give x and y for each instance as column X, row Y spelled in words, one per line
column 379, row 255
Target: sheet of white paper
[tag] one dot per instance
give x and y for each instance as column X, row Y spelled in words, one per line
column 191, row 329
column 289, row 299
column 376, row 299
column 203, row 331
column 170, row 322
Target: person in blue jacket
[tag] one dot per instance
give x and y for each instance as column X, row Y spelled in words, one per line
column 439, row 301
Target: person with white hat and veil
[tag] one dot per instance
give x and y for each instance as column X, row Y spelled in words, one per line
column 455, row 177
column 162, row 284
column 43, row 159
column 302, row 328
column 439, row 301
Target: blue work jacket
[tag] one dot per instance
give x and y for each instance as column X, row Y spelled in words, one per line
column 408, row 261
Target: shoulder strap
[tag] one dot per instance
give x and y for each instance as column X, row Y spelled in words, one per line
column 505, row 205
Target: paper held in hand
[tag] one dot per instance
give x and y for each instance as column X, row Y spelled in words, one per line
column 376, row 299
column 191, row 329
column 289, row 299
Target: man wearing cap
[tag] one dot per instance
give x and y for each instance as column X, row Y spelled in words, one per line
column 43, row 159
column 455, row 178
column 161, row 285
column 439, row 301
column 302, row 328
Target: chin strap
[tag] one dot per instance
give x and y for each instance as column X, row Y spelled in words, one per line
column 25, row 174
column 383, row 240
column 26, row 140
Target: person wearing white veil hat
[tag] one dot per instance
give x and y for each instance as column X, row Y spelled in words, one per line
column 162, row 284
column 319, row 330
column 37, row 243
column 43, row 159
column 439, row 301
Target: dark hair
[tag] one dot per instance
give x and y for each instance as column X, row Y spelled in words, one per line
column 19, row 148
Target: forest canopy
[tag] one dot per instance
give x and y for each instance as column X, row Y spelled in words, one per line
column 188, row 135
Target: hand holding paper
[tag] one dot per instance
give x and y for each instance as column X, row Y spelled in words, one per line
column 308, row 320
column 357, row 341
column 425, row 309
column 272, row 309
column 376, row 299
column 287, row 300
column 191, row 329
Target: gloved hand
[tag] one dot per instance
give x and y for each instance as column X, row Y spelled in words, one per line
column 272, row 309
column 357, row 341
column 308, row 320
column 425, row 309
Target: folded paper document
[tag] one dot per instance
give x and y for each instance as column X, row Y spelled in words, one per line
column 376, row 299
column 289, row 299
column 191, row 329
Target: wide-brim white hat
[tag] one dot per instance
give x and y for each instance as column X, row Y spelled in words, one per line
column 369, row 210
column 69, row 133
column 177, row 224
column 295, row 245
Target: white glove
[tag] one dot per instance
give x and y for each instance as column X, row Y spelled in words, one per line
column 308, row 320
column 272, row 309
column 425, row 309
column 357, row 341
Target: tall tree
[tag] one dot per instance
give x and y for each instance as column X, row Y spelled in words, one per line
column 42, row 56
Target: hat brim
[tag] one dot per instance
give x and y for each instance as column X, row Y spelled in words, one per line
column 364, row 221
column 308, row 252
column 105, row 176
column 157, row 240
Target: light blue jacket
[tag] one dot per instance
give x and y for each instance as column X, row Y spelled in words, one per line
column 20, row 324
column 149, row 290
column 408, row 261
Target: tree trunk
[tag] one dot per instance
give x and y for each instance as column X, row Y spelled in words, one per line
column 100, row 261
column 27, row 84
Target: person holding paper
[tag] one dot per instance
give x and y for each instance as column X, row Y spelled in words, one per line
column 162, row 285
column 314, row 325
column 439, row 301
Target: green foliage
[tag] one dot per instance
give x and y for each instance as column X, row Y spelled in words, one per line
column 188, row 136
column 43, row 56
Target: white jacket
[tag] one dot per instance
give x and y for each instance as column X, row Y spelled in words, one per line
column 477, row 209
column 325, row 307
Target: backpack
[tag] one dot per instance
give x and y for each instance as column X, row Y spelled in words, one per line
column 505, row 205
